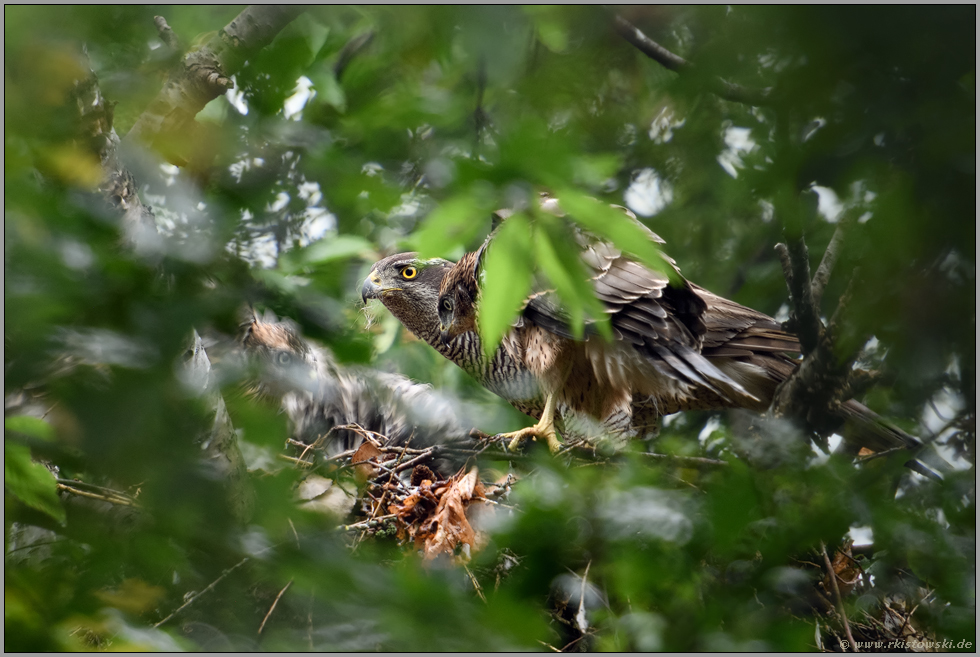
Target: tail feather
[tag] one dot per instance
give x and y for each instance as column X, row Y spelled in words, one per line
column 865, row 428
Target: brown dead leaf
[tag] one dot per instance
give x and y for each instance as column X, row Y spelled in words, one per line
column 846, row 569
column 437, row 515
column 448, row 527
column 363, row 470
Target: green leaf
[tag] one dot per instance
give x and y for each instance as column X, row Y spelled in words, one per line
column 314, row 33
column 30, row 426
column 558, row 256
column 507, row 279
column 594, row 170
column 614, row 225
column 260, row 424
column 336, row 248
column 328, row 89
column 30, row 482
column 550, row 26
column 456, row 222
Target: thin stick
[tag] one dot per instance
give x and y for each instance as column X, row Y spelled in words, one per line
column 197, row 595
column 384, row 494
column 418, row 459
column 476, row 584
column 366, row 524
column 299, row 462
column 96, row 496
column 274, row 603
column 840, row 601
column 696, row 461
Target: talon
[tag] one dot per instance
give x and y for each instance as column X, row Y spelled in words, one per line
column 545, row 428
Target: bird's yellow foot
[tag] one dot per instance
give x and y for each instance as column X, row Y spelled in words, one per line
column 545, row 428
column 537, row 431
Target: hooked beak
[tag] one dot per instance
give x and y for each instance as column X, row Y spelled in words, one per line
column 370, row 289
column 444, row 333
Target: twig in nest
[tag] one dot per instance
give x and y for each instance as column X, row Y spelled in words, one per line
column 274, row 603
column 197, row 595
column 372, row 437
column 384, row 494
column 837, row 596
column 418, row 459
column 371, row 523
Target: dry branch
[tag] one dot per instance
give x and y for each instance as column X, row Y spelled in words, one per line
column 273, row 607
column 197, row 595
column 832, row 574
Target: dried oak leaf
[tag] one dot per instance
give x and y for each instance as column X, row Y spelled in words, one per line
column 361, row 460
column 448, row 527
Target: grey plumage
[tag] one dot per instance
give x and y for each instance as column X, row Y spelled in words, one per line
column 318, row 394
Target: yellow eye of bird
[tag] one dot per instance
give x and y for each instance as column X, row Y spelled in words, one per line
column 410, row 272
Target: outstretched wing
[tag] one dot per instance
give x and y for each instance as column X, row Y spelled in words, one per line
column 663, row 322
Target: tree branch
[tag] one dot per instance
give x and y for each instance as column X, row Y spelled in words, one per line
column 648, row 46
column 206, row 72
column 355, row 45
column 167, row 35
column 721, row 88
column 795, row 260
column 197, row 595
column 829, row 259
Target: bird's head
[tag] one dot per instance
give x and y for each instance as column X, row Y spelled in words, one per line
column 284, row 360
column 457, row 299
column 408, row 286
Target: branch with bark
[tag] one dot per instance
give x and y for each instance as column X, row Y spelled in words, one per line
column 205, row 73
column 201, row 78
column 718, row 86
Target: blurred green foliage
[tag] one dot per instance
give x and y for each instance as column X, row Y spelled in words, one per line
column 445, row 115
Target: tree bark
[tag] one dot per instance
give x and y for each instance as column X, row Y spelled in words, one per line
column 204, row 74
